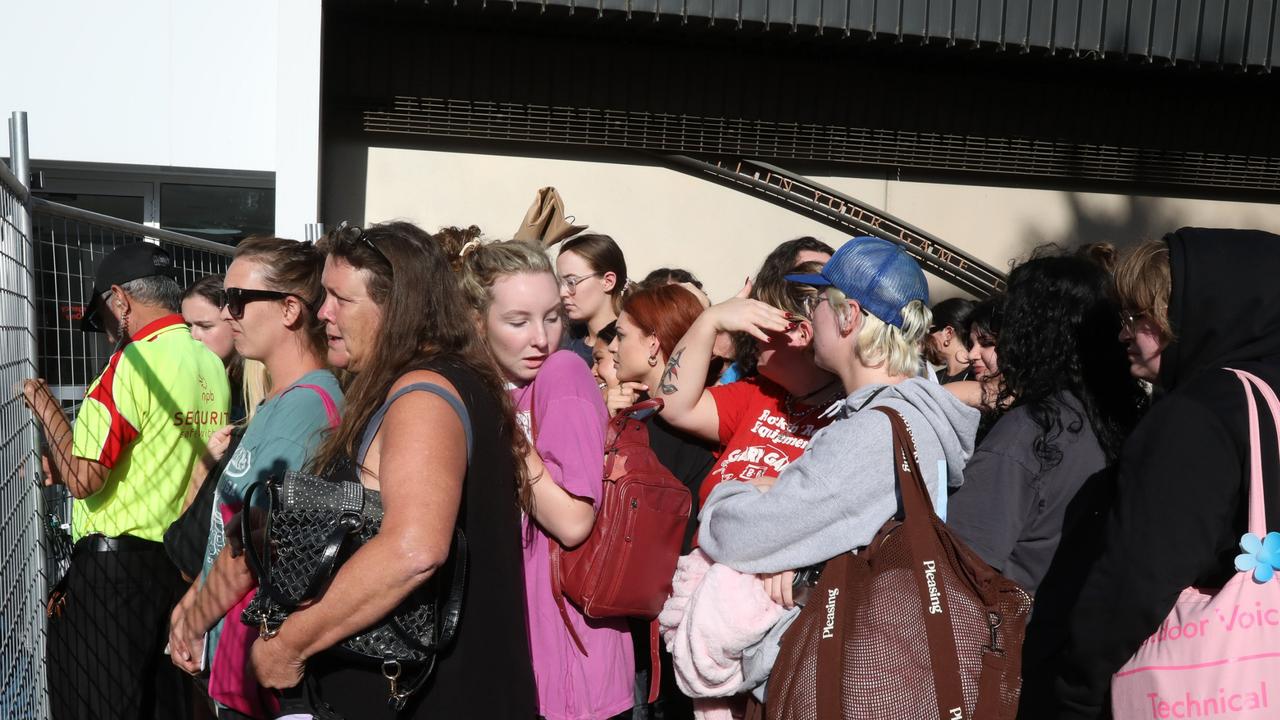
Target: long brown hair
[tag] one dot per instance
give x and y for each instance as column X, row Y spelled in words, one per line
column 425, row 317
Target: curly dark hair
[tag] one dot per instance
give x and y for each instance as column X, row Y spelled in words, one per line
column 987, row 317
column 1060, row 334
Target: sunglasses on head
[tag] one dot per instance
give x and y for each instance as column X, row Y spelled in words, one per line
column 234, row 299
column 349, row 235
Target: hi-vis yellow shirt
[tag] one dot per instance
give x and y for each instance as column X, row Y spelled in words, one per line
column 148, row 417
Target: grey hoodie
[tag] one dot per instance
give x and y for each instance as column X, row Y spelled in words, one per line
column 837, row 495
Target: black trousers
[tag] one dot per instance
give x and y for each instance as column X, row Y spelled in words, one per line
column 106, row 642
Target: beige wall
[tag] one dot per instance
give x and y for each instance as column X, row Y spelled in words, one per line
column 662, row 217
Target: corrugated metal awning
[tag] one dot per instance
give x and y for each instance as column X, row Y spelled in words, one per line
column 1232, row 34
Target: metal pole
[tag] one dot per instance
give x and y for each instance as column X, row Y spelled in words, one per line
column 21, row 161
column 20, row 157
column 314, row 231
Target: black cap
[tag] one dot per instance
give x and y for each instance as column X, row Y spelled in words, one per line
column 125, row 264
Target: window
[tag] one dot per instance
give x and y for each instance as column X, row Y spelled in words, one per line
column 220, row 213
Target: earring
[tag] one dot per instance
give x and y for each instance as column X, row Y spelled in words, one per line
column 124, row 324
column 653, row 361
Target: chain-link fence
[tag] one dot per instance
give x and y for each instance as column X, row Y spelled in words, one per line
column 48, row 252
column 22, row 667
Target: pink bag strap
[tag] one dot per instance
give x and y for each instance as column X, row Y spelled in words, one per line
column 1257, row 501
column 330, row 407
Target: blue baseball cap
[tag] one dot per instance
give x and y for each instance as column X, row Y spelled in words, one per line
column 879, row 274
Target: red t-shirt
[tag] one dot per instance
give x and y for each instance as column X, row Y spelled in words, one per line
column 758, row 437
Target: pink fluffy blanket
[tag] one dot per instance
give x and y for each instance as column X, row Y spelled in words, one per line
column 714, row 612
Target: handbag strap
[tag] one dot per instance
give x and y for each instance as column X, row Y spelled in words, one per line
column 927, row 554
column 828, row 680
column 376, row 421
column 452, row 609
column 1257, row 499
column 351, row 501
column 251, row 557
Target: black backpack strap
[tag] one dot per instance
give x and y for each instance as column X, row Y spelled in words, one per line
column 376, row 421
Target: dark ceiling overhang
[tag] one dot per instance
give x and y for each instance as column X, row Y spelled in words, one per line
column 1227, row 34
column 521, row 77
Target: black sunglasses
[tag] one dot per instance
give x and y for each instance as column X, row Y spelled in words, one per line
column 234, row 299
column 350, row 235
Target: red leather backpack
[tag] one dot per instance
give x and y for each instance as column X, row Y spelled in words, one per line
column 624, row 567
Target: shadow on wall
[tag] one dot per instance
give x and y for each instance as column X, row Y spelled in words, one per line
column 1126, row 220
column 1123, row 221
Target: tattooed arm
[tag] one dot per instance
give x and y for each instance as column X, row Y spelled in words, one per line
column 689, row 406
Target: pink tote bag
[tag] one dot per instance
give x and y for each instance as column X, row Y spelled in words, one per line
column 1217, row 655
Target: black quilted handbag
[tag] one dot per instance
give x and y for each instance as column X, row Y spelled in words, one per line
column 312, row 525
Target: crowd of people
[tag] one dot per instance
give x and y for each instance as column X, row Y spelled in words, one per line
column 1090, row 445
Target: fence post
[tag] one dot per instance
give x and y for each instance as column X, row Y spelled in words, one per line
column 32, row 542
column 21, row 156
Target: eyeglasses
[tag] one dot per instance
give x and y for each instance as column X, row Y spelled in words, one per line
column 348, row 236
column 570, row 282
column 830, row 294
column 1129, row 319
column 234, row 299
column 812, row 302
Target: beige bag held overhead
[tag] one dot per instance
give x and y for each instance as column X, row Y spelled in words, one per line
column 913, row 627
column 545, row 222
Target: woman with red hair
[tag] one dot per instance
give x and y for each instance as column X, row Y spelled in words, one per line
column 652, row 321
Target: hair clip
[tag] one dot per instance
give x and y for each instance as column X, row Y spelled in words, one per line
column 469, row 247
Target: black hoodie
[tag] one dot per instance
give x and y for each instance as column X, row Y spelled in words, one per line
column 1181, row 490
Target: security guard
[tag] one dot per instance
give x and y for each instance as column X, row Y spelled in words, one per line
column 141, row 429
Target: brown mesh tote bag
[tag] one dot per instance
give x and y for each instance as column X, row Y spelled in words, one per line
column 913, row 627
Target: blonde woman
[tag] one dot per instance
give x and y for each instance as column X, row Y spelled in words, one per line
column 583, row 669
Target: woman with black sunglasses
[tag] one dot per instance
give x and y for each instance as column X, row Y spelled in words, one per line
column 271, row 292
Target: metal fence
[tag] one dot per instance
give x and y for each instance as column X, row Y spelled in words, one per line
column 47, row 255
column 22, row 566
